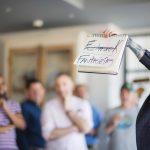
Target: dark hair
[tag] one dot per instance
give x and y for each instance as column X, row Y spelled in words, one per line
column 128, row 86
column 30, row 82
column 80, row 85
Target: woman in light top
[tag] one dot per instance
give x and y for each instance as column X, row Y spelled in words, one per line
column 10, row 118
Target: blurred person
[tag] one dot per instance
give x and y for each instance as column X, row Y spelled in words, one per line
column 66, row 118
column 10, row 118
column 92, row 139
column 142, row 122
column 31, row 138
column 120, row 122
column 81, row 91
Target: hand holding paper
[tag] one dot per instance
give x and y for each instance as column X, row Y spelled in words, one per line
column 101, row 54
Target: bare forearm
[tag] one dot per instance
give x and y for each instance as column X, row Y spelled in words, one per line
column 60, row 132
column 79, row 122
column 17, row 119
column 93, row 132
column 3, row 129
column 136, row 48
column 6, row 128
column 109, row 128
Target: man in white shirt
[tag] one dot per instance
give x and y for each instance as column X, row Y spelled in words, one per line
column 66, row 118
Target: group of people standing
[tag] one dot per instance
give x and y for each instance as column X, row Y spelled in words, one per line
column 63, row 122
column 59, row 124
column 66, row 122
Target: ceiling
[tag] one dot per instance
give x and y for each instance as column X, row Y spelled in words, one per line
column 17, row 15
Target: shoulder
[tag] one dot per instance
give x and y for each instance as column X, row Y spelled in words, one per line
column 25, row 104
column 113, row 111
column 14, row 106
column 49, row 108
column 13, row 103
column 116, row 108
column 27, row 107
column 81, row 103
column 80, row 100
column 51, row 103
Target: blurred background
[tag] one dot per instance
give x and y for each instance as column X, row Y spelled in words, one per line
column 42, row 38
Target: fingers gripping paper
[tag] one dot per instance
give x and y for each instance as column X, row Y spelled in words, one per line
column 101, row 55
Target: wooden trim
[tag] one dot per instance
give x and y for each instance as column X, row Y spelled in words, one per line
column 41, row 60
column 63, row 47
column 22, row 49
column 10, row 64
column 12, row 53
column 41, row 63
column 59, row 47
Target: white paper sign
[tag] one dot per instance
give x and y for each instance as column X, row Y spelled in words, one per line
column 102, row 52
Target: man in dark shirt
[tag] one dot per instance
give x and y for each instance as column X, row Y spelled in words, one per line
column 143, row 119
column 31, row 138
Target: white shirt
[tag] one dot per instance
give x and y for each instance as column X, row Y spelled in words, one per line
column 54, row 116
